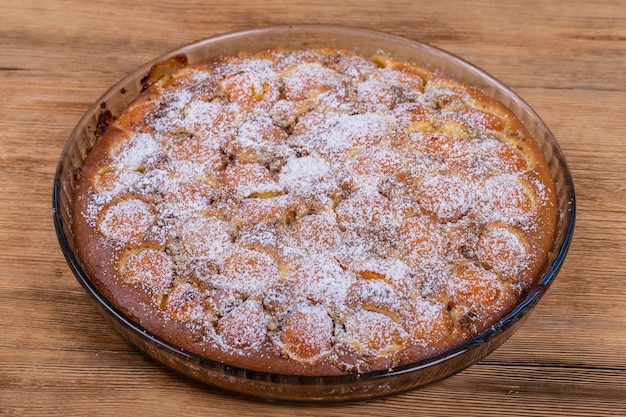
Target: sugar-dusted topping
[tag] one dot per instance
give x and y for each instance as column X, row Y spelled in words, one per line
column 411, row 117
column 261, row 132
column 304, row 173
column 249, row 271
column 375, row 95
column 321, row 280
column 477, row 120
column 503, row 157
column 355, row 250
column 365, row 209
column 209, row 119
column 334, row 135
column 473, row 286
column 357, row 130
column 259, row 140
column 206, row 237
column 441, row 99
column 182, row 196
column 427, row 321
column 376, row 295
column 409, row 85
column 261, row 68
column 221, row 297
column 445, row 197
column 308, row 80
column 245, row 326
column 110, row 181
column 306, row 333
column 316, row 233
column 417, row 167
column 195, row 156
column 132, row 152
column 473, row 167
column 268, row 238
column 126, row 219
column 316, row 207
column 422, row 239
column 440, row 144
column 390, row 270
column 355, row 67
column 376, row 164
column 185, row 303
column 248, row 90
column 373, row 333
column 503, row 249
column 192, row 81
column 250, row 180
column 257, row 210
column 149, row 268
column 171, row 117
column 509, row 199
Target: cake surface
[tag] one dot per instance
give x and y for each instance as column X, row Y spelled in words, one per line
column 313, row 212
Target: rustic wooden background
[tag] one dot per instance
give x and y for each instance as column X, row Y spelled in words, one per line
column 566, row 58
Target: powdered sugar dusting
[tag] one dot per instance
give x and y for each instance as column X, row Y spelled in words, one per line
column 304, row 173
column 314, row 206
column 373, row 333
column 206, row 237
column 321, row 280
column 249, row 271
column 445, row 197
column 503, row 250
column 306, row 333
column 127, row 219
column 245, row 326
column 132, row 153
column 508, row 200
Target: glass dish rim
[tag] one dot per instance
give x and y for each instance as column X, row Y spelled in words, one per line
column 521, row 309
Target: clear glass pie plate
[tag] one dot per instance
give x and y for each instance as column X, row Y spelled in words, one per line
column 293, row 387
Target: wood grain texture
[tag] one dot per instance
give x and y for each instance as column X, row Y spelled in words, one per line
column 566, row 58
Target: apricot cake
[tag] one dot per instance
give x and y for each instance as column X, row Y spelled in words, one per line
column 313, row 212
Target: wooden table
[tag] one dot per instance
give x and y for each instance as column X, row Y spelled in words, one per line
column 567, row 59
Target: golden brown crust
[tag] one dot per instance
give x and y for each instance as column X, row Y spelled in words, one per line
column 313, row 212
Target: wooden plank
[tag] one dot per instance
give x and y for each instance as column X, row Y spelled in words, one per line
column 125, row 381
column 566, row 59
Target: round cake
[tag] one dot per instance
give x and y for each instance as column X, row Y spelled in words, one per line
column 313, row 212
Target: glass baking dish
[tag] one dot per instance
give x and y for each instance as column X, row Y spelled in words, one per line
column 311, row 388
